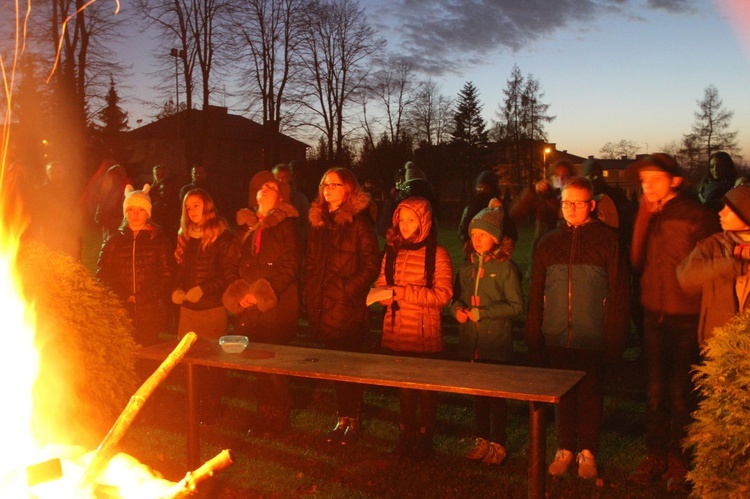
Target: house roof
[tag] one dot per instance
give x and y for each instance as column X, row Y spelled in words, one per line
column 220, row 124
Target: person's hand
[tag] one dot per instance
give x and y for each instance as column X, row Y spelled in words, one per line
column 647, row 206
column 742, row 251
column 248, row 300
column 178, row 296
column 194, row 294
column 542, row 187
column 474, row 314
column 461, row 315
column 398, row 293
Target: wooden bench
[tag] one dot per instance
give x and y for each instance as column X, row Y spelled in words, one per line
column 535, row 385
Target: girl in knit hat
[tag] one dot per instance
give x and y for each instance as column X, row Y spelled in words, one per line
column 204, row 270
column 419, row 273
column 487, row 296
column 136, row 263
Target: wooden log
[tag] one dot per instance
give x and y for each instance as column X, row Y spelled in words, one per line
column 189, row 484
column 108, row 447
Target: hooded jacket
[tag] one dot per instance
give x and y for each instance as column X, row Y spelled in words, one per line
column 492, row 283
column 579, row 292
column 413, row 325
column 341, row 262
column 267, row 249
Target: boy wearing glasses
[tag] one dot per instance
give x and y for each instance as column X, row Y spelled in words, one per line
column 577, row 319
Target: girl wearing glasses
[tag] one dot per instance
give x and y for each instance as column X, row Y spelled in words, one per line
column 341, row 261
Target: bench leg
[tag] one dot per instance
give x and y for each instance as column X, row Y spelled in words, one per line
column 537, row 450
column 193, row 439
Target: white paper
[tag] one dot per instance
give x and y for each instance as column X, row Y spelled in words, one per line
column 378, row 294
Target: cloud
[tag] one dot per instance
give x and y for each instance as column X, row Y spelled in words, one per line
column 445, row 36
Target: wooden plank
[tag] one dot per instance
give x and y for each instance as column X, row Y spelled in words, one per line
column 513, row 382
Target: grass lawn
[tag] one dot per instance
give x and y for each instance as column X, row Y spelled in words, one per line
column 300, row 463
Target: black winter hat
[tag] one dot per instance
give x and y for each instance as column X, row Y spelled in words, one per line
column 738, row 200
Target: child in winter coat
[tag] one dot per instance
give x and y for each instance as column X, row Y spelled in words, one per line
column 486, row 297
column 419, row 272
column 719, row 266
column 136, row 263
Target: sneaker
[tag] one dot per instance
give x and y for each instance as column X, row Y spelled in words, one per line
column 676, row 476
column 562, row 463
column 586, row 464
column 342, row 423
column 481, row 448
column 496, row 454
column 650, row 470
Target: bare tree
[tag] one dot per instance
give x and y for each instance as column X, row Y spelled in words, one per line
column 710, row 129
column 616, row 150
column 337, row 47
column 394, row 87
column 70, row 39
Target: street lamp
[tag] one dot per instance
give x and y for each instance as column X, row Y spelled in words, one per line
column 547, row 150
column 177, row 54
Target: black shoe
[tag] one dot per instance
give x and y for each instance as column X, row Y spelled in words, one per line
column 352, row 432
column 338, row 431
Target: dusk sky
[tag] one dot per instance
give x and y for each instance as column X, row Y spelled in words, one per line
column 610, row 69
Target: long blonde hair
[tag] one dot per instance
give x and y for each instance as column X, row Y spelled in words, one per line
column 212, row 224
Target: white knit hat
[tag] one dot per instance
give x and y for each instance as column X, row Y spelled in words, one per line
column 137, row 198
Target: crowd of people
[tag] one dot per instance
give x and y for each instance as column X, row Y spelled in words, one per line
column 673, row 266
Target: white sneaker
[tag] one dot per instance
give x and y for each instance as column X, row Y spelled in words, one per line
column 586, row 464
column 496, row 454
column 480, row 450
column 562, row 463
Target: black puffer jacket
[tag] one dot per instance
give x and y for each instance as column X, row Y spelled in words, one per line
column 139, row 265
column 276, row 260
column 341, row 262
column 210, row 269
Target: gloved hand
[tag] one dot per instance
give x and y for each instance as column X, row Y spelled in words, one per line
column 178, row 296
column 194, row 294
column 742, row 251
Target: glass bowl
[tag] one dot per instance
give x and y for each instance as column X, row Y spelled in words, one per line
column 233, row 343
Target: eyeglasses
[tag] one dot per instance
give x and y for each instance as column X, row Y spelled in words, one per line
column 331, row 185
column 578, row 204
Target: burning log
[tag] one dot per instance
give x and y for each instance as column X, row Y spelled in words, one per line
column 107, row 448
column 189, row 484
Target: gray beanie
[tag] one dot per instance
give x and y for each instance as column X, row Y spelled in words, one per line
column 489, row 220
column 738, row 200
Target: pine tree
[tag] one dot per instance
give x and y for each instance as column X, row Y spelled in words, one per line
column 114, row 121
column 470, row 128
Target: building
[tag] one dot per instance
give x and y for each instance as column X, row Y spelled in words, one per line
column 231, row 148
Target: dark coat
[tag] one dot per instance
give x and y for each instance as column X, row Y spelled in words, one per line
column 212, row 270
column 341, row 262
column 579, row 292
column 139, row 265
column 276, row 261
column 661, row 241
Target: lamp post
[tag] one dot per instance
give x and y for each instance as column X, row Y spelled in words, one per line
column 177, row 54
column 546, row 151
